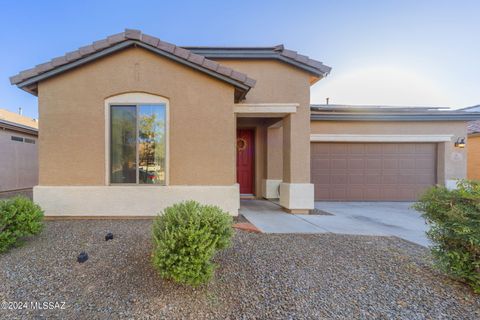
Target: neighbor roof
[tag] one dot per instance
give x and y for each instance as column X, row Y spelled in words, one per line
column 28, row 79
column 388, row 113
column 473, row 127
column 472, row 108
column 278, row 52
column 17, row 127
column 16, row 118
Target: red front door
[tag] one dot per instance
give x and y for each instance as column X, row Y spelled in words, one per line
column 245, row 156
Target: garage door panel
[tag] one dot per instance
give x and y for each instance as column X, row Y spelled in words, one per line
column 375, row 164
column 425, row 148
column 322, row 192
column 371, row 193
column 337, row 163
column 422, row 164
column 406, row 148
column 390, row 179
column 338, row 179
column 356, row 148
column 355, row 192
column 408, row 164
column 372, row 171
column 424, row 179
column 338, row 149
column 373, row 179
column 338, row 193
column 389, row 164
column 357, row 163
column 356, row 179
column 373, row 148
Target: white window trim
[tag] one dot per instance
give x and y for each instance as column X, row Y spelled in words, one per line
column 381, row 137
column 136, row 98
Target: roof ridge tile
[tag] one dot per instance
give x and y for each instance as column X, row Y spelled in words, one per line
column 166, row 46
column 133, row 34
column 116, row 38
column 153, row 41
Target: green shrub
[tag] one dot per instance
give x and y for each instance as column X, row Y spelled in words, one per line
column 19, row 218
column 186, row 237
column 454, row 219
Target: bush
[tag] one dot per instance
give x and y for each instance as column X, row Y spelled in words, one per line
column 186, row 237
column 19, row 218
column 454, row 219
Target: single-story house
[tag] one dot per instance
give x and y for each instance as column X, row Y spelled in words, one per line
column 131, row 124
column 18, row 153
column 473, row 155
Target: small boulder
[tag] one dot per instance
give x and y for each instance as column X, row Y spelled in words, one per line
column 82, row 257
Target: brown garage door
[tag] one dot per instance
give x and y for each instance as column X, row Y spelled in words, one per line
column 372, row 171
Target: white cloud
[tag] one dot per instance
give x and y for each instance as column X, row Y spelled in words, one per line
column 381, row 85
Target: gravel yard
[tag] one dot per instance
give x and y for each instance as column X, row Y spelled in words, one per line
column 260, row 276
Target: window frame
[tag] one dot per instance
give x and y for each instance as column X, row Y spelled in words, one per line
column 135, row 99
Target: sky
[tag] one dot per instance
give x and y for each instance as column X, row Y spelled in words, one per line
column 415, row 53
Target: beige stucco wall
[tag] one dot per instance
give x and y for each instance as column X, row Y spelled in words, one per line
column 278, row 82
column 72, row 119
column 274, row 153
column 18, row 161
column 452, row 162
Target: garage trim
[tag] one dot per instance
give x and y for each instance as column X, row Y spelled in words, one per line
column 380, row 137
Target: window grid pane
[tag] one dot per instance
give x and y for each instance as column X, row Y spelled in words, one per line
column 123, row 148
column 151, row 144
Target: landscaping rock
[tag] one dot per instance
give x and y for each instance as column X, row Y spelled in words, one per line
column 261, row 276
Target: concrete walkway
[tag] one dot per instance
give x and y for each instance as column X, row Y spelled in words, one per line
column 361, row 218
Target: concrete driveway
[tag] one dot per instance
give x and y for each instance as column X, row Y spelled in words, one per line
column 361, row 218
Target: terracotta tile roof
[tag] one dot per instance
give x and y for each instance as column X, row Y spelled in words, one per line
column 473, row 127
column 182, row 54
column 18, row 119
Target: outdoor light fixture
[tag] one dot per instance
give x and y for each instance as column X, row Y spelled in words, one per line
column 460, row 143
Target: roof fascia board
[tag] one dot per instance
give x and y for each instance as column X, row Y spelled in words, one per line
column 120, row 46
column 390, row 117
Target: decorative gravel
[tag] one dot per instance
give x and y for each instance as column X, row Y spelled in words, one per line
column 261, row 276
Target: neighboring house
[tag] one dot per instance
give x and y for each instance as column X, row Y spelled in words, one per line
column 473, row 155
column 18, row 153
column 131, row 124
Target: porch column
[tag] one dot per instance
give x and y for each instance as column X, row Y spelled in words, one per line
column 296, row 191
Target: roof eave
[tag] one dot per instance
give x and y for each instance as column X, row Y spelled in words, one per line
column 394, row 117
